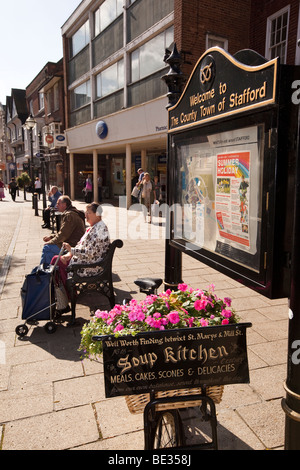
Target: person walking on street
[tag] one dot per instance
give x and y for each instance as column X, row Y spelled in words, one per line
column 2, row 187
column 141, row 173
column 12, row 185
column 88, row 189
column 146, row 195
column 38, row 186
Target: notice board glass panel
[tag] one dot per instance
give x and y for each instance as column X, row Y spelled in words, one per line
column 218, row 198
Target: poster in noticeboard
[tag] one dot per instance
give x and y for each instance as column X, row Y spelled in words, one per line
column 232, row 197
column 219, row 193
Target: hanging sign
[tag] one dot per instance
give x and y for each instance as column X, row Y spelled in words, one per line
column 49, row 139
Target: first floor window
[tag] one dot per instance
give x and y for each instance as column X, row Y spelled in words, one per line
column 80, row 39
column 110, row 79
column 148, row 58
column 81, row 95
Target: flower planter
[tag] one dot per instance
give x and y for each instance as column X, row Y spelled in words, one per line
column 187, row 342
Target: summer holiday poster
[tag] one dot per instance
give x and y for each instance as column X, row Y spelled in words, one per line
column 232, row 198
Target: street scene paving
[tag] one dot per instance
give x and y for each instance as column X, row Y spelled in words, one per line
column 51, row 398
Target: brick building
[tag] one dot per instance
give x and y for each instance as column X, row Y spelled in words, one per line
column 45, row 103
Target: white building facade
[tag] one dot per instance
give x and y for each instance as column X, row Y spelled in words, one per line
column 116, row 100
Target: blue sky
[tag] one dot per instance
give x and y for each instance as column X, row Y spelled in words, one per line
column 30, row 36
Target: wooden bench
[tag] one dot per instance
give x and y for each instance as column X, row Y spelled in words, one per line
column 55, row 220
column 101, row 283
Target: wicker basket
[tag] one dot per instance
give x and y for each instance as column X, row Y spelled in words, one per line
column 137, row 403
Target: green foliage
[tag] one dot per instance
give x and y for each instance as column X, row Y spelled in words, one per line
column 23, row 180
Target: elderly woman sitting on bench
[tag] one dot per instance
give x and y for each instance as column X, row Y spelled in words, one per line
column 90, row 248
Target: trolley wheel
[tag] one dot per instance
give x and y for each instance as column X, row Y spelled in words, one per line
column 22, row 330
column 168, row 432
column 50, row 327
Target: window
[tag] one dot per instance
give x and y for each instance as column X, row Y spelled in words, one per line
column 41, row 100
column 277, row 35
column 110, row 79
column 81, row 95
column 213, row 41
column 108, row 11
column 55, row 97
column 148, row 58
column 80, row 39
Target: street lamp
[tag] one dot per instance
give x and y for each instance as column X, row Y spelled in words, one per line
column 29, row 124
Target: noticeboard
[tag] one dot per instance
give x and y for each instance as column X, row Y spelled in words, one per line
column 228, row 169
column 175, row 359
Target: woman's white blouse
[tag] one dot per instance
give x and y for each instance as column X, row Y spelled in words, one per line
column 91, row 247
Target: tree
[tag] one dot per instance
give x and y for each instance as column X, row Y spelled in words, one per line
column 24, row 181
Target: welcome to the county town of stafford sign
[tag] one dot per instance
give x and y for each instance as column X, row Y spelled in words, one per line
column 175, row 359
column 219, row 86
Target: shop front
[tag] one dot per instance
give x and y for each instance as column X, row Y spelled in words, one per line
column 112, row 149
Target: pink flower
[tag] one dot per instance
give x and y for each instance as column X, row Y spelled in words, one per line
column 182, row 287
column 204, row 322
column 200, row 304
column 173, row 317
column 226, row 313
column 132, row 315
column 225, row 321
column 141, row 316
column 119, row 327
column 154, row 323
column 103, row 314
column 227, row 301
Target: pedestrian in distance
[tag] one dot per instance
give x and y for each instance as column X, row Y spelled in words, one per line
column 12, row 186
column 38, row 186
column 146, row 194
column 88, row 189
column 2, row 187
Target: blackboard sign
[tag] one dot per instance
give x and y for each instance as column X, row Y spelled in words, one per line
column 175, row 359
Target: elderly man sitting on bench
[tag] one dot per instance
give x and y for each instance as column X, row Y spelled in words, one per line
column 71, row 230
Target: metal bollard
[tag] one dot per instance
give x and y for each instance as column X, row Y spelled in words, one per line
column 35, row 204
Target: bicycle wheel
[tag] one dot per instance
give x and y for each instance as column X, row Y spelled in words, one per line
column 168, row 430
